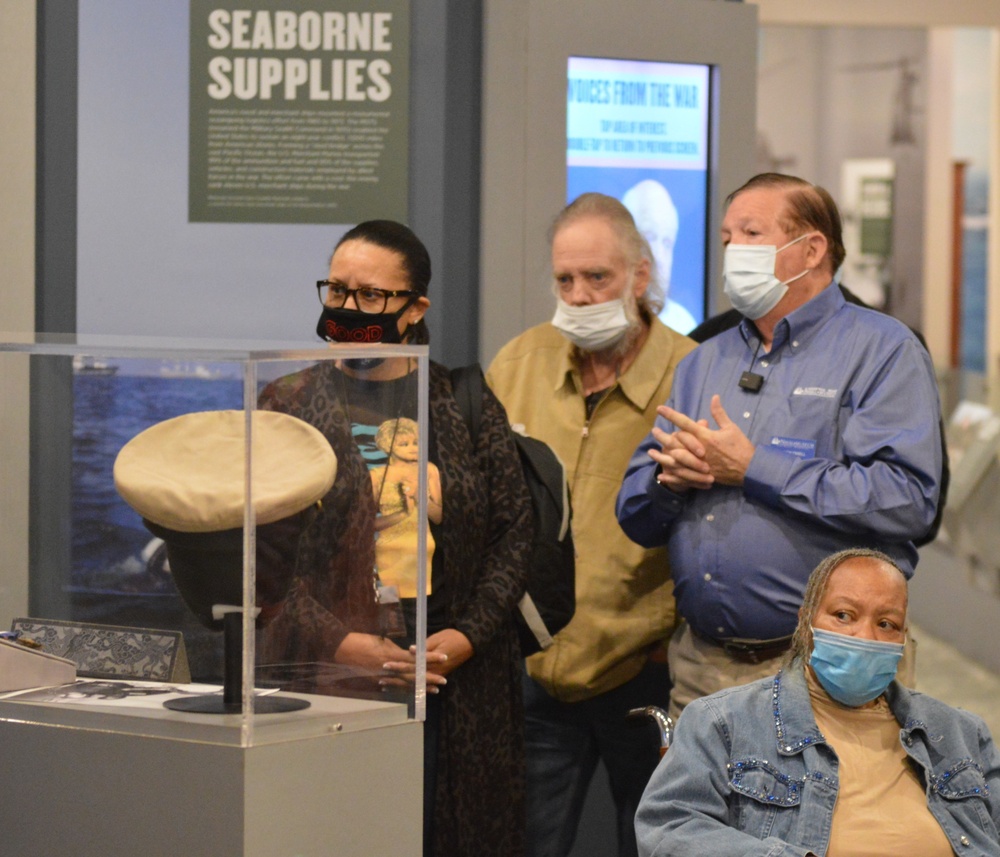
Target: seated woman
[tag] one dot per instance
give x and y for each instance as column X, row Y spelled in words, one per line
column 830, row 757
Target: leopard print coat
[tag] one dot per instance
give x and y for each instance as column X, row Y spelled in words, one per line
column 484, row 541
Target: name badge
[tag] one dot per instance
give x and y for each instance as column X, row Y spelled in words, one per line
column 795, row 446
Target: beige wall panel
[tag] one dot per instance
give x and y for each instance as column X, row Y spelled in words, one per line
column 17, row 261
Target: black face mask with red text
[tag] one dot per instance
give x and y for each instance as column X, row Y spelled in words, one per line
column 337, row 324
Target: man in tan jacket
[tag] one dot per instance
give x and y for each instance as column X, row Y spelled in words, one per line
column 588, row 384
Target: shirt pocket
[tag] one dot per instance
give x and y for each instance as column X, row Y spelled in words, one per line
column 965, row 791
column 962, row 780
column 766, row 799
column 815, row 415
column 965, row 794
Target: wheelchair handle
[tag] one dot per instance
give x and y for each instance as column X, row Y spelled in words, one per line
column 664, row 723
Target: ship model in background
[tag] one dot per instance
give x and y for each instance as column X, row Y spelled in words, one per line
column 85, row 365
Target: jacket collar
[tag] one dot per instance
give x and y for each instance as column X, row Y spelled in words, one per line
column 640, row 382
column 800, row 325
column 794, row 722
column 906, row 708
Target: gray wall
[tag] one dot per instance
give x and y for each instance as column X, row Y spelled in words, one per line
column 443, row 192
column 827, row 94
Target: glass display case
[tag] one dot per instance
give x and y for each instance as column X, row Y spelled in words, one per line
column 309, row 593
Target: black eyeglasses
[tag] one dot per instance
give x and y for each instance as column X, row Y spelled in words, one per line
column 367, row 299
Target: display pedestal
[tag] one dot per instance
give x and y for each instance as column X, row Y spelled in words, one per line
column 91, row 793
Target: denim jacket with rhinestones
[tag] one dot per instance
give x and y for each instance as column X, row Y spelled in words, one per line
column 749, row 773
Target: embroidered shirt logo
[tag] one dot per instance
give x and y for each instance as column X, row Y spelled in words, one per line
column 821, row 392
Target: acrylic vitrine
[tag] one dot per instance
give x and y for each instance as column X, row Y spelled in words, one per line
column 316, row 602
column 103, row 763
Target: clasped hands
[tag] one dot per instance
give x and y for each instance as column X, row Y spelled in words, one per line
column 446, row 651
column 696, row 456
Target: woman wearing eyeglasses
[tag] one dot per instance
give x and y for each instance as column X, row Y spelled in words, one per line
column 478, row 540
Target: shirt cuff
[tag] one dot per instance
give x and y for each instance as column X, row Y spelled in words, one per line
column 663, row 497
column 767, row 475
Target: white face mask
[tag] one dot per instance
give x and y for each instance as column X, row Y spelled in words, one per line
column 594, row 327
column 748, row 277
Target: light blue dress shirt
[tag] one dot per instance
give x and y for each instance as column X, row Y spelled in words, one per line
column 848, row 454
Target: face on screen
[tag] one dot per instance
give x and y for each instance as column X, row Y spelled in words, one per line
column 655, row 217
column 638, row 131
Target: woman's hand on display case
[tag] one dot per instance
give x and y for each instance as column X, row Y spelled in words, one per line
column 380, row 654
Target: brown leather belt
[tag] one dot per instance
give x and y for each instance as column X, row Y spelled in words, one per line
column 749, row 651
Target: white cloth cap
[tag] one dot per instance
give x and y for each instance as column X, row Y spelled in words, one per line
column 188, row 473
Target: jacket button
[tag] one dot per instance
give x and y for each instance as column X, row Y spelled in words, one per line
column 964, row 840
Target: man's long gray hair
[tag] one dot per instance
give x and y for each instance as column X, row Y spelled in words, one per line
column 634, row 246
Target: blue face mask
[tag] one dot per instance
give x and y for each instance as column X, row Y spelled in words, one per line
column 851, row 669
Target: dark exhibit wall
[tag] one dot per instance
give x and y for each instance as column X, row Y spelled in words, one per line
column 120, row 251
column 116, row 251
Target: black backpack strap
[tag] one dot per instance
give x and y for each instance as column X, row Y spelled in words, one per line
column 467, row 387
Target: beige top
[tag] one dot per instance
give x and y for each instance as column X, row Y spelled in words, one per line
column 881, row 803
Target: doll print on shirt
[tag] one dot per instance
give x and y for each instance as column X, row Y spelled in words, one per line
column 395, row 475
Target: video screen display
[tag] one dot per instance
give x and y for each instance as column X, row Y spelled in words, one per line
column 639, row 131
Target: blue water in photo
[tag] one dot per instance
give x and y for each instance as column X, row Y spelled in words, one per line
column 974, row 257
column 116, row 576
column 108, row 411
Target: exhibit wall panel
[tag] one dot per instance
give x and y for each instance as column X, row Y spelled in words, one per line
column 17, row 260
column 140, row 265
column 993, row 237
column 527, row 44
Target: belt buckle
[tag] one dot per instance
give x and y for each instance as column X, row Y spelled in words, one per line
column 755, row 652
column 741, row 651
column 750, row 655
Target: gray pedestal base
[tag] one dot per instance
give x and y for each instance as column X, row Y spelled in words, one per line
column 105, row 794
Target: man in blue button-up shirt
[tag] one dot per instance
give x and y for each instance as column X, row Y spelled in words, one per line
column 811, row 428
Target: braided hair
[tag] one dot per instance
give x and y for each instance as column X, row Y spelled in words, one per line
column 802, row 639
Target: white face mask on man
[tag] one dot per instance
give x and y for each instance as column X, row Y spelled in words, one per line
column 748, row 277
column 592, row 327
